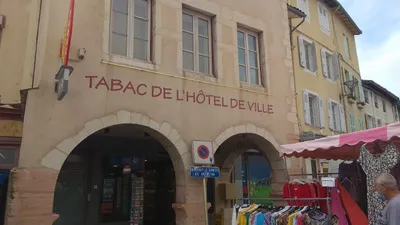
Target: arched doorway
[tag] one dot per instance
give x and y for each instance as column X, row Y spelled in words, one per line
column 95, row 165
column 248, row 157
column 118, row 175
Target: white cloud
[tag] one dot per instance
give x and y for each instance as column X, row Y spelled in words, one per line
column 381, row 62
column 378, row 47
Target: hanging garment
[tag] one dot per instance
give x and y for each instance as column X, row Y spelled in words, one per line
column 353, row 211
column 374, row 166
column 234, row 215
column 336, row 206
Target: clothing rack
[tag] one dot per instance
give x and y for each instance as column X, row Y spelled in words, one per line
column 296, row 199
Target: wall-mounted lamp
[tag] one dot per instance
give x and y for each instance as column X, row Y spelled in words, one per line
column 350, row 85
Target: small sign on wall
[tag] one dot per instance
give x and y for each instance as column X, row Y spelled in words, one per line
column 203, row 153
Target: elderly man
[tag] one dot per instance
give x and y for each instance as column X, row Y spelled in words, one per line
column 386, row 189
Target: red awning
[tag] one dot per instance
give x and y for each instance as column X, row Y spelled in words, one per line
column 344, row 146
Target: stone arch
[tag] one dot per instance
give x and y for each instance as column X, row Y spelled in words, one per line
column 226, row 152
column 165, row 133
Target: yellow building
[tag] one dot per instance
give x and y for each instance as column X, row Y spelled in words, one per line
column 324, row 58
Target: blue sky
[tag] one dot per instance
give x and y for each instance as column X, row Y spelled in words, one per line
column 379, row 46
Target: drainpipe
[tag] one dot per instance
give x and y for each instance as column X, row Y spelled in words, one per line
column 339, row 57
column 37, row 41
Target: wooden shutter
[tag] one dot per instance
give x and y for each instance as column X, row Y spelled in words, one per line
column 302, row 52
column 330, row 115
column 321, row 113
column 361, row 90
column 366, row 121
column 346, row 45
column 351, row 78
column 342, row 119
column 324, row 62
column 314, row 65
column 352, row 122
column 335, row 69
column 306, row 105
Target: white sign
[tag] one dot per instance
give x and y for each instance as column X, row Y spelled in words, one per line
column 328, row 182
column 203, row 153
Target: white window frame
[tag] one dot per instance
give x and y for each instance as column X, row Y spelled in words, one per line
column 378, row 122
column 376, row 102
column 330, row 65
column 384, row 109
column 130, row 31
column 318, row 109
column 323, row 19
column 196, row 16
column 367, row 96
column 312, row 56
column 334, row 119
column 247, row 58
column 305, row 8
column 346, row 45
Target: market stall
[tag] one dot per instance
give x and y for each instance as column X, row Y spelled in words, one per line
column 376, row 150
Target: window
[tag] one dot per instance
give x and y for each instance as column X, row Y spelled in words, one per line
column 303, row 6
column 379, row 122
column 323, row 18
column 352, row 123
column 383, row 105
column 248, row 56
column 336, row 116
column 313, row 109
column 196, row 41
column 361, row 91
column 346, row 45
column 130, row 29
column 346, row 77
column 330, row 66
column 366, row 92
column 308, row 58
column 376, row 101
column 369, row 121
column 361, row 123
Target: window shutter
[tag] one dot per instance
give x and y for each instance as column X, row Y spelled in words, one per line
column 302, row 53
column 360, row 121
column 342, row 119
column 314, row 57
column 351, row 78
column 346, row 45
column 324, row 62
column 320, row 16
column 330, row 115
column 306, row 103
column 366, row 121
column 360, row 88
column 321, row 113
column 335, row 69
column 352, row 127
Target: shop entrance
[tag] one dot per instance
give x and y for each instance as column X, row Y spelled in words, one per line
column 120, row 175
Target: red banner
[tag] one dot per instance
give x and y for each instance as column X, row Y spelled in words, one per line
column 66, row 41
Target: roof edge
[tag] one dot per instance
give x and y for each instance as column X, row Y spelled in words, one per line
column 336, row 4
column 373, row 85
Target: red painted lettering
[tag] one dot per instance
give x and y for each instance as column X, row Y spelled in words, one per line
column 258, row 107
column 139, row 90
column 129, row 86
column 116, row 85
column 167, row 93
column 217, row 101
column 270, row 109
column 223, row 103
column 90, row 80
column 190, row 96
column 251, row 106
column 200, row 98
column 241, row 104
column 209, row 98
column 234, row 103
column 102, row 82
column 155, row 91
column 177, row 96
column 265, row 110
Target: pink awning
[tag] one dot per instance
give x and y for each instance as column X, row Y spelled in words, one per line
column 344, row 146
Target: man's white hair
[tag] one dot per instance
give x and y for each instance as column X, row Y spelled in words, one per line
column 387, row 179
